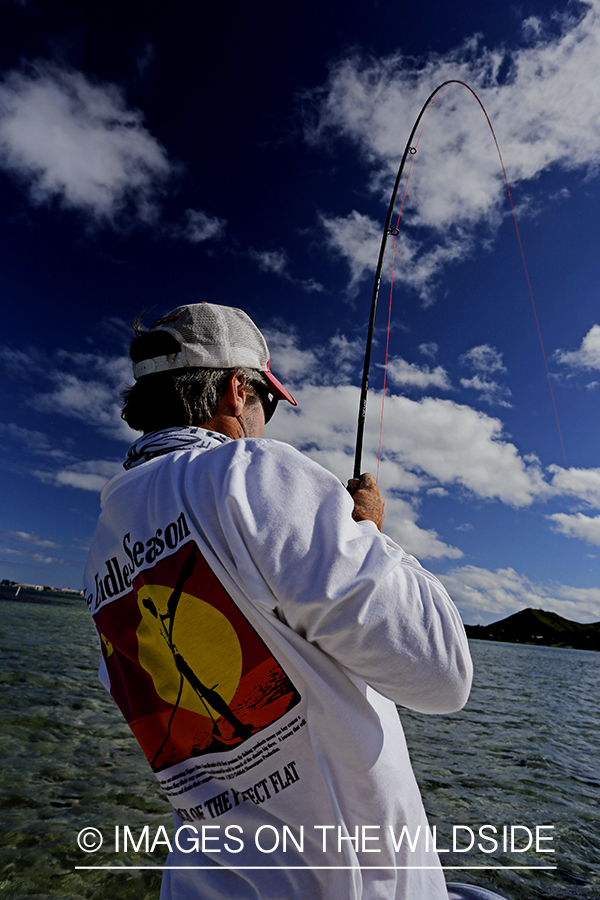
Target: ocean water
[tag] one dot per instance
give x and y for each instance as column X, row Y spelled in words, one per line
column 524, row 752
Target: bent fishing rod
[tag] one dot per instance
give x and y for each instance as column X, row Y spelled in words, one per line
column 408, row 150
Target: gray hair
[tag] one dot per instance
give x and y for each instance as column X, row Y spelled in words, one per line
column 176, row 397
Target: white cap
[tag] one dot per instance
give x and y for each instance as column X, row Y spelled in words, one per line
column 212, row 337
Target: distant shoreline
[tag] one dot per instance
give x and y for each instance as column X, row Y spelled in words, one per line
column 533, row 627
column 28, row 593
column 536, row 627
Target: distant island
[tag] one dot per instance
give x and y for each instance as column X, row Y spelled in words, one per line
column 529, row 626
column 38, row 593
column 536, row 626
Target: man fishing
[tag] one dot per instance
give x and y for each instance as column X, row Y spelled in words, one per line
column 257, row 630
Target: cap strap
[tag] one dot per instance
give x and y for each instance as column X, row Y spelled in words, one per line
column 158, row 364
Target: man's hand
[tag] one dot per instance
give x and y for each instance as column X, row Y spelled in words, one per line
column 368, row 502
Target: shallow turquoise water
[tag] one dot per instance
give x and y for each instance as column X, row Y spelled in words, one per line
column 523, row 751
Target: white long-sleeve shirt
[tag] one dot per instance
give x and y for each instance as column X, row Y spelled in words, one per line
column 257, row 639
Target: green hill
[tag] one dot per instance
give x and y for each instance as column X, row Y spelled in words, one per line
column 536, row 626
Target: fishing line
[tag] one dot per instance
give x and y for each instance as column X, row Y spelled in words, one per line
column 410, row 149
column 537, row 325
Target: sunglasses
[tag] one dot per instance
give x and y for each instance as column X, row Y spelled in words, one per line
column 268, row 399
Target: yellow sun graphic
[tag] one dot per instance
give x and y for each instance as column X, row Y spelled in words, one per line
column 201, row 634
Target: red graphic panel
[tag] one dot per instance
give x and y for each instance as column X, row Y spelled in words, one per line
column 187, row 670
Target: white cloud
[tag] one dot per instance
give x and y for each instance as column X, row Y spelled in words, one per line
column 426, row 444
column 346, row 350
column 501, row 592
column 430, row 349
column 95, row 399
column 35, row 556
column 28, row 538
column 271, row 260
column 424, row 543
column 455, row 444
column 335, row 362
column 484, row 359
column 489, row 391
column 83, row 386
column 94, row 402
column 31, row 441
column 545, row 111
column 19, row 362
column 90, row 475
column 588, row 355
column 201, row 227
column 577, row 525
column 90, row 394
column 276, row 262
column 584, row 484
column 437, row 492
column 505, row 591
column 76, row 141
column 310, row 285
column 356, row 238
column 324, row 419
column 289, row 362
column 408, row 374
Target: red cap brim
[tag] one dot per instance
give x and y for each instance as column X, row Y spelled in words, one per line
column 278, row 388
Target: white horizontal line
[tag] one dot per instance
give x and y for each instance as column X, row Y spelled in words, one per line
column 312, row 868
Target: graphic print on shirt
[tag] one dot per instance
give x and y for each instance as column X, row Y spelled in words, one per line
column 186, row 668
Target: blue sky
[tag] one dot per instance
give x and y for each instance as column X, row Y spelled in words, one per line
column 154, row 154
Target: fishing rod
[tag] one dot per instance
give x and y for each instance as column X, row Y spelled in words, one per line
column 408, row 150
